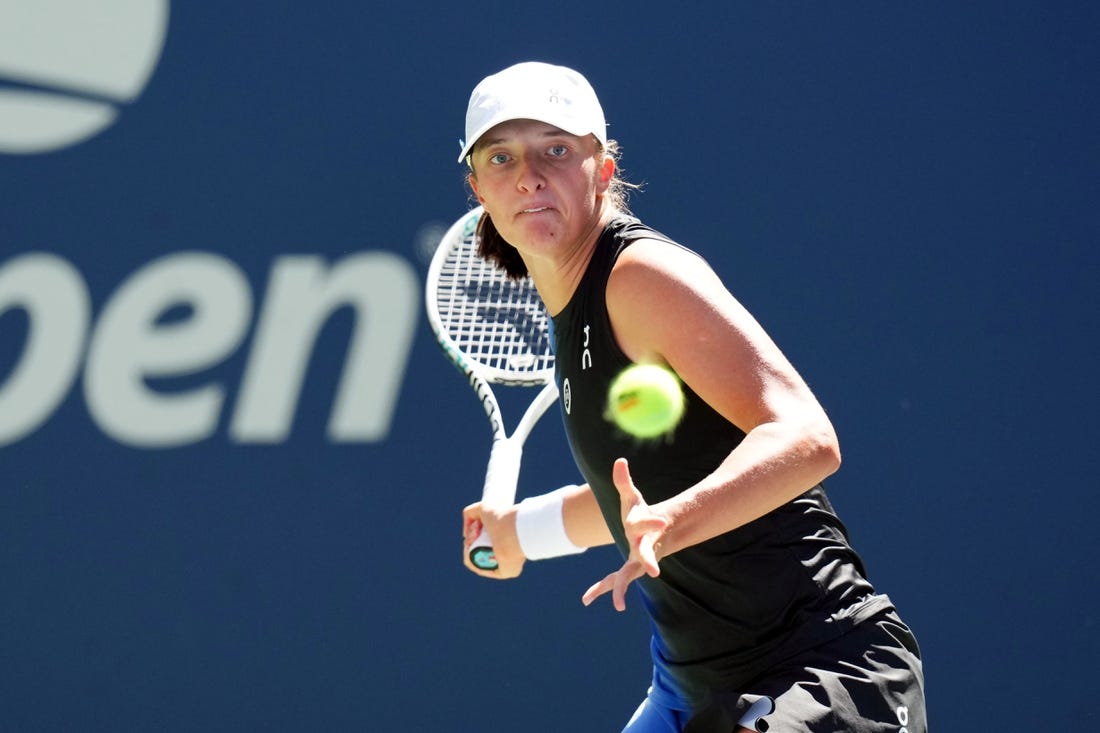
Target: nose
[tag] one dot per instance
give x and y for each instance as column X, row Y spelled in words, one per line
column 530, row 177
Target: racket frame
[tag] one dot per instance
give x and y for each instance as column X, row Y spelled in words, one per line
column 505, row 457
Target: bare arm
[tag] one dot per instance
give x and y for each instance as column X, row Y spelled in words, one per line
column 584, row 523
column 666, row 305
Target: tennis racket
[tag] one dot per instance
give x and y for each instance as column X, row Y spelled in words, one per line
column 497, row 332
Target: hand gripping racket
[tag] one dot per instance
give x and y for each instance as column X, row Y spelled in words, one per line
column 496, row 331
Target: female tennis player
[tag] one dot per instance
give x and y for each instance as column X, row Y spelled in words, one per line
column 763, row 616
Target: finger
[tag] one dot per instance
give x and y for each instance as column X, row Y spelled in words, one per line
column 618, row 593
column 620, row 475
column 647, row 554
column 598, row 589
column 627, row 575
column 471, row 529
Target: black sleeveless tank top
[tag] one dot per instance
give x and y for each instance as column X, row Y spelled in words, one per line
column 727, row 610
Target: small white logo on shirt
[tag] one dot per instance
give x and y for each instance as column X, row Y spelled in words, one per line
column 586, row 355
column 903, row 718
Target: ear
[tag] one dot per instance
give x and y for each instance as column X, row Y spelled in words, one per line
column 607, row 172
column 472, row 180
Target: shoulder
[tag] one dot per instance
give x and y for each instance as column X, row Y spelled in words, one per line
column 653, row 267
column 658, row 290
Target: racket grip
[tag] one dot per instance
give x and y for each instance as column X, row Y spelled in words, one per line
column 482, row 554
column 501, row 479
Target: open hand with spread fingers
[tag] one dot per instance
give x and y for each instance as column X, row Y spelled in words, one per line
column 644, row 528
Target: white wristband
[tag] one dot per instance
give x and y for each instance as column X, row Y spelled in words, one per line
column 540, row 526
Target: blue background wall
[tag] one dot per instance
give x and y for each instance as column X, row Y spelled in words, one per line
column 906, row 196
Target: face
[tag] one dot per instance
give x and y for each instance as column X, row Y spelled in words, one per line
column 542, row 186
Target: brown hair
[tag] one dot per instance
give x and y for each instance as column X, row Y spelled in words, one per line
column 493, row 247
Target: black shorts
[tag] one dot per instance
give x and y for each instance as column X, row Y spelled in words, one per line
column 868, row 681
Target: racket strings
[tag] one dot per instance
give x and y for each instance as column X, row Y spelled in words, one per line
column 495, row 321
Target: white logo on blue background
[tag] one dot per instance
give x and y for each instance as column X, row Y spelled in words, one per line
column 68, row 67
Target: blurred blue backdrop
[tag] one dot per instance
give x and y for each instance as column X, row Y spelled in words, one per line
column 906, row 197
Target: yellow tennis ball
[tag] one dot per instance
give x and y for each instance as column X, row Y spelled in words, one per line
column 646, row 400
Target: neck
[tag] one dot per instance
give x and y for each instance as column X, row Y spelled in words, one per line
column 557, row 278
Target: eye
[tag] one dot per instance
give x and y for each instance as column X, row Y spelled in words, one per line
column 498, row 159
column 557, row 151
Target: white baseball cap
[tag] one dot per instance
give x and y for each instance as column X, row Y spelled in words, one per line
column 533, row 90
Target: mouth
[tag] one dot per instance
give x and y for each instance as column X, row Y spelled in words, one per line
column 535, row 210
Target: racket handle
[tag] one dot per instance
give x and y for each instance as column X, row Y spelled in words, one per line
column 482, row 554
column 501, row 478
